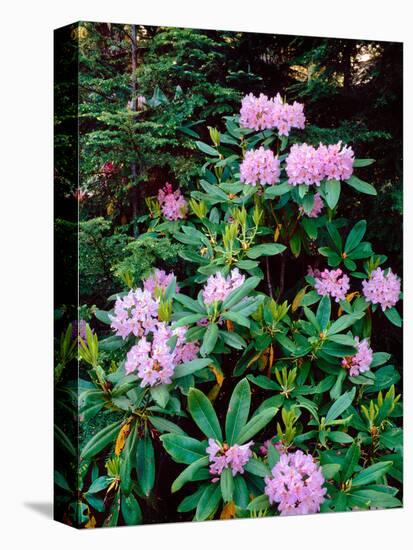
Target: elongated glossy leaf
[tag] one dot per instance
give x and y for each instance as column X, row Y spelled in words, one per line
column 324, row 312
column 189, row 473
column 372, row 473
column 339, row 406
column 100, row 440
column 270, row 249
column 227, row 485
column 355, row 236
column 256, row 424
column 351, row 459
column 241, row 292
column 203, row 414
column 238, row 411
column 145, row 464
column 131, row 511
column 332, row 192
column 259, row 503
column 192, row 366
column 208, row 503
column 183, row 449
column 210, row 339
column 257, row 467
column 361, row 186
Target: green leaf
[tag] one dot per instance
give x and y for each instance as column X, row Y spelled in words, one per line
column 332, row 192
column 270, row 249
column 260, row 503
column 131, row 511
column 103, row 316
column 241, row 493
column 335, row 236
column 330, row 470
column 351, row 460
column 340, row 437
column 241, row 292
column 210, row 339
column 372, row 473
column 207, row 149
column 188, row 474
column 257, row 467
column 360, row 163
column 238, row 411
column 324, row 312
column 189, row 320
column 145, row 464
column 376, row 499
column 208, row 503
column 362, row 186
column 183, row 449
column 233, row 339
column 339, row 406
column 308, row 203
column 355, row 236
column 160, row 394
column 393, row 316
column 127, row 460
column 100, row 440
column 344, row 322
column 257, row 423
column 99, row 484
column 203, row 414
column 192, row 366
column 237, row 318
column 227, row 485
column 191, row 501
column 273, row 191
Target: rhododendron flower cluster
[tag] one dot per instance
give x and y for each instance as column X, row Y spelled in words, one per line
column 317, row 207
column 382, row 288
column 218, row 287
column 279, row 447
column 136, row 313
column 155, row 359
column 360, row 362
column 332, row 283
column 158, row 281
column 263, row 113
column 296, row 484
column 260, row 166
column 223, row 456
column 172, row 203
column 306, row 164
column 79, row 329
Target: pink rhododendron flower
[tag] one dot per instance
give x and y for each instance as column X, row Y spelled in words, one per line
column 382, row 288
column 332, row 283
column 306, row 164
column 173, row 203
column 223, row 456
column 136, row 313
column 337, row 161
column 313, row 272
column 296, row 484
column 317, row 208
column 260, row 166
column 303, row 165
column 263, row 113
column 360, row 362
column 154, row 359
column 218, row 287
column 158, row 280
column 279, row 447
